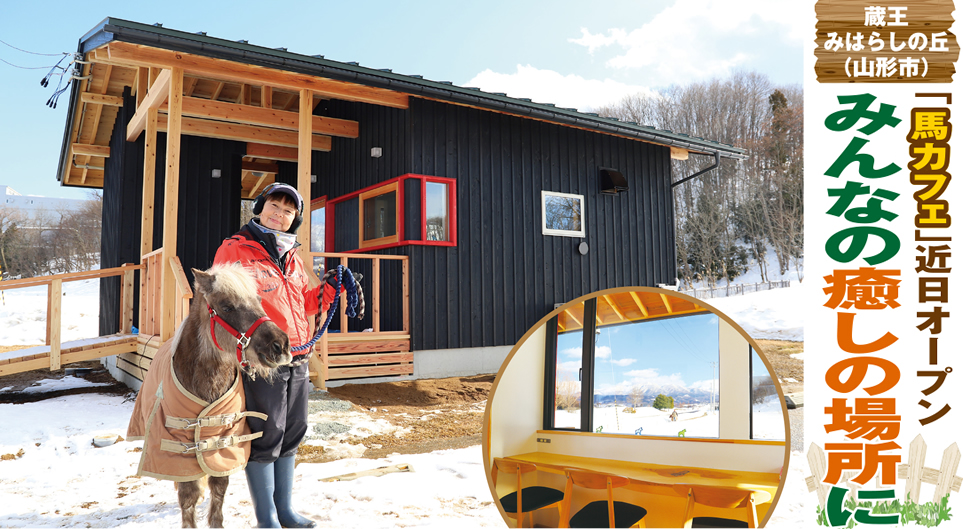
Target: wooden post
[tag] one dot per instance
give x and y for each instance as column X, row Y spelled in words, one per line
column 914, row 478
column 55, row 301
column 376, row 294
column 49, row 312
column 305, row 129
column 951, row 461
column 405, row 301
column 150, row 164
column 343, row 304
column 142, row 80
column 267, row 97
column 127, row 302
column 169, row 298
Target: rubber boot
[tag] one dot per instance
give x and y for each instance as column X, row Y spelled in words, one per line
column 284, row 483
column 260, row 481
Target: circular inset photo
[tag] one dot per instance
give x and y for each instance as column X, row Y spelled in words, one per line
column 636, row 407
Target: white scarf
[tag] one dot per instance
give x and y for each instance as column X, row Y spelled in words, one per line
column 284, row 241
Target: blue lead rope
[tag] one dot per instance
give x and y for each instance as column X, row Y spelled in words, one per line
column 351, row 289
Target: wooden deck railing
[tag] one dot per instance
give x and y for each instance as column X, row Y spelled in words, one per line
column 54, row 286
column 372, row 288
column 376, row 353
column 150, row 292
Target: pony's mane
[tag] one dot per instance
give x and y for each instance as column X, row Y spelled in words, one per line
column 234, row 278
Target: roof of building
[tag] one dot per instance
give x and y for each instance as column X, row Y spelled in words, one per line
column 103, row 80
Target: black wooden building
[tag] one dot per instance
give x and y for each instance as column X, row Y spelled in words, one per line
column 490, row 269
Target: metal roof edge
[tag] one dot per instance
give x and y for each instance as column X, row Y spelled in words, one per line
column 150, row 35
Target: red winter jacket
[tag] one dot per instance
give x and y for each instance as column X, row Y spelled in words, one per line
column 287, row 298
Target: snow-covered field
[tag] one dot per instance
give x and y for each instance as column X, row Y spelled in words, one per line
column 62, row 480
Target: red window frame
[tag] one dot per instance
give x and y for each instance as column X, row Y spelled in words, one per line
column 398, row 182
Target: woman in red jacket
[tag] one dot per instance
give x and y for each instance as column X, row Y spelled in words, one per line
column 266, row 246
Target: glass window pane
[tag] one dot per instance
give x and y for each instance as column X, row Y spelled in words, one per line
column 317, row 238
column 379, row 216
column 436, row 211
column 563, row 213
column 568, row 364
column 767, row 418
column 658, row 377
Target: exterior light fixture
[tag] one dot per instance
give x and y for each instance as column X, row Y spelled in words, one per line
column 215, row 173
column 376, row 152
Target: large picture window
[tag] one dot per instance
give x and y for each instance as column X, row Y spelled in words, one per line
column 646, row 377
column 766, row 408
column 563, row 214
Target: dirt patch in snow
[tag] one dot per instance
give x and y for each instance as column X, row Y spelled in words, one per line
column 779, row 353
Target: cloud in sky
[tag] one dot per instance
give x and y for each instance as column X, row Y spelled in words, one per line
column 603, row 352
column 572, row 352
column 697, row 38
column 624, row 362
column 547, row 86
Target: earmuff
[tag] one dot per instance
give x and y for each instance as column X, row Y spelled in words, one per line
column 262, row 198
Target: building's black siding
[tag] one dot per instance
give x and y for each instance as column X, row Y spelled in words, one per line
column 504, row 274
column 120, row 233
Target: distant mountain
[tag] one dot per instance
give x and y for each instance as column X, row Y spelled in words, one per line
column 679, row 394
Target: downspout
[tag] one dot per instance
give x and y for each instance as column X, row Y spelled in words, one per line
column 707, row 169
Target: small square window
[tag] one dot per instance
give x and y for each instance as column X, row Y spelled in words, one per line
column 563, row 214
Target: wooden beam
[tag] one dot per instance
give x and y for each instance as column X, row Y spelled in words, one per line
column 83, row 149
column 189, row 85
column 267, row 97
column 156, row 96
column 217, row 91
column 135, row 55
column 169, row 297
column 147, row 207
column 640, row 304
column 98, row 112
column 678, row 153
column 143, row 82
column 254, row 190
column 101, row 99
column 265, row 117
column 615, row 309
column 305, row 140
column 272, row 152
column 271, row 168
column 571, row 314
column 665, row 301
column 244, row 97
column 248, row 133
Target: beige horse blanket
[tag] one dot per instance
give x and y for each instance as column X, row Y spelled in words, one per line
column 184, row 436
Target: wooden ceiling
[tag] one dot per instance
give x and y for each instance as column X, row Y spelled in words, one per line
column 222, row 99
column 624, row 307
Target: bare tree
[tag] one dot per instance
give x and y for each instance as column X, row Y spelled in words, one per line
column 740, row 209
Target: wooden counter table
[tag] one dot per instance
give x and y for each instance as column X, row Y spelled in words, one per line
column 715, row 487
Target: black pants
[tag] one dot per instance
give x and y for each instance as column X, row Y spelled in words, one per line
column 285, row 401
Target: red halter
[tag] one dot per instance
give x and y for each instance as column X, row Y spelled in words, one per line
column 242, row 339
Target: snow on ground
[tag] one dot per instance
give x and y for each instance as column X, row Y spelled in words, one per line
column 62, row 480
column 23, row 313
column 767, row 315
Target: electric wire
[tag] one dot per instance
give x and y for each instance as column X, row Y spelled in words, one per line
column 33, row 52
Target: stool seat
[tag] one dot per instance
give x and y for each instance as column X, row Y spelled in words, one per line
column 533, row 498
column 596, row 514
column 711, row 521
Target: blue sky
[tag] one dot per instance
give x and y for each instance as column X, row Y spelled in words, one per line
column 671, row 351
column 558, row 52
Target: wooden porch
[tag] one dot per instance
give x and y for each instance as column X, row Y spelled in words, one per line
column 336, row 356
